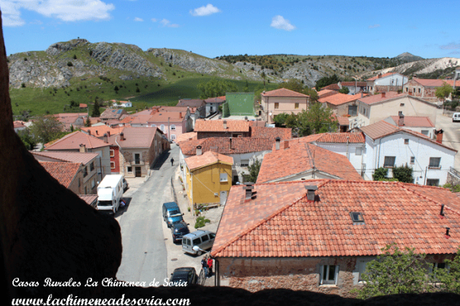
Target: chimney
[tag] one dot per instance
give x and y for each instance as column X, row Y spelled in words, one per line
column 311, row 192
column 108, row 133
column 447, row 231
column 180, row 115
column 230, row 140
column 249, row 193
column 383, row 94
column 106, row 140
column 286, row 144
column 277, row 143
column 122, row 136
column 442, row 210
column 89, row 132
column 225, row 124
column 401, row 119
column 438, row 134
column 379, row 75
column 198, row 150
column 82, row 148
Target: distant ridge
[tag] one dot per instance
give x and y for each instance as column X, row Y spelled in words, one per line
column 409, row 57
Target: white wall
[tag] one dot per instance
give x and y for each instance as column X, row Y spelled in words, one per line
column 421, row 149
column 351, row 151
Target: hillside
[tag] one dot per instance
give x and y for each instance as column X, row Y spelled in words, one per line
column 79, row 71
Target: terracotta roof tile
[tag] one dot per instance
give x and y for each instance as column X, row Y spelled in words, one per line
column 283, row 92
column 379, row 76
column 218, row 125
column 338, row 99
column 301, row 157
column 280, row 222
column 271, row 133
column 137, row 137
column 381, row 97
column 73, row 140
column 414, row 121
column 434, row 82
column 100, row 130
column 208, row 158
column 333, row 138
column 73, row 157
column 223, row 145
column 63, row 172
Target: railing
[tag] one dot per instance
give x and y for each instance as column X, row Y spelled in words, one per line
column 455, row 172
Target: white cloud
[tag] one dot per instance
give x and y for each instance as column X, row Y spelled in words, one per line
column 167, row 23
column 138, row 19
column 205, row 10
column 374, row 26
column 278, row 22
column 65, row 10
column 451, row 46
column 154, row 20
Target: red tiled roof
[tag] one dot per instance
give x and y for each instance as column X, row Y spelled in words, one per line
column 381, row 97
column 281, row 222
column 63, row 172
column 435, row 82
column 272, row 133
column 73, row 157
column 186, row 137
column 343, row 120
column 166, row 116
column 206, row 159
column 338, row 99
column 334, row 87
column 334, row 138
column 352, row 84
column 414, row 121
column 100, row 130
column 326, row 93
column 382, row 129
column 218, row 125
column 283, row 92
column 302, row 157
column 137, row 137
column 220, row 99
column 73, row 140
column 239, row 145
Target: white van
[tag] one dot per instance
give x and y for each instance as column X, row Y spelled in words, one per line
column 456, row 117
column 197, row 242
column 109, row 193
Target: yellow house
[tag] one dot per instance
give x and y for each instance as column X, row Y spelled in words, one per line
column 208, row 178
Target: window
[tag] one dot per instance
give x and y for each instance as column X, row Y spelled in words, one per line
column 360, row 269
column 91, row 166
column 129, row 169
column 137, row 158
column 407, row 89
column 402, row 104
column 352, row 110
column 432, row 182
column 406, row 141
column 93, row 183
column 112, row 165
column 173, row 136
column 112, row 153
column 357, row 217
column 419, row 90
column 296, row 105
column 205, row 238
column 389, row 161
column 277, row 105
column 435, row 162
column 359, row 151
column 412, row 159
column 173, row 127
column 223, row 177
column 425, row 132
column 244, row 162
column 85, row 171
column 329, row 275
column 153, row 125
column 162, row 127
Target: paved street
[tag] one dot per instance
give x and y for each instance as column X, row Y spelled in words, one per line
column 144, row 251
column 451, row 136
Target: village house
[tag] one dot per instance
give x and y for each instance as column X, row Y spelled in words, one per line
column 72, row 120
column 90, row 178
column 19, row 126
column 135, row 150
column 341, row 104
column 113, row 114
column 212, row 105
column 100, row 131
column 82, row 142
column 391, row 81
column 123, row 104
column 68, row 174
column 319, row 235
column 172, row 123
column 280, row 101
column 222, row 128
column 426, row 88
column 198, row 104
column 388, row 146
column 208, row 178
column 293, row 160
column 354, row 87
column 420, row 124
column 374, row 108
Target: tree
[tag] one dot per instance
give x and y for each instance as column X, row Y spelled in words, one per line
column 316, row 119
column 324, row 81
column 293, row 84
column 380, row 174
column 116, row 89
column 280, row 119
column 254, row 171
column 403, row 174
column 46, row 128
column 449, row 279
column 344, row 90
column 216, row 88
column 96, row 112
column 395, row 272
column 27, row 138
column 444, row 91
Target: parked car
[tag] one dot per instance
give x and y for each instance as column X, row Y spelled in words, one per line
column 178, row 230
column 197, row 242
column 455, row 117
column 171, row 213
column 183, row 277
column 125, row 185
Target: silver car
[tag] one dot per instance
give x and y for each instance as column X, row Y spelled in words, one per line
column 198, row 242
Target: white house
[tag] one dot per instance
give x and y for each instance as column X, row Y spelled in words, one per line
column 122, row 103
column 388, row 146
column 391, row 81
column 420, row 124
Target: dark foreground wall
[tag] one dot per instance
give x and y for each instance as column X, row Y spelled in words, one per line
column 48, row 232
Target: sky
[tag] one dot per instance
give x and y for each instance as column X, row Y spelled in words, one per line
column 215, row 28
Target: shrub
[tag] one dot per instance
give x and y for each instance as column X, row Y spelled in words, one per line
column 201, row 221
